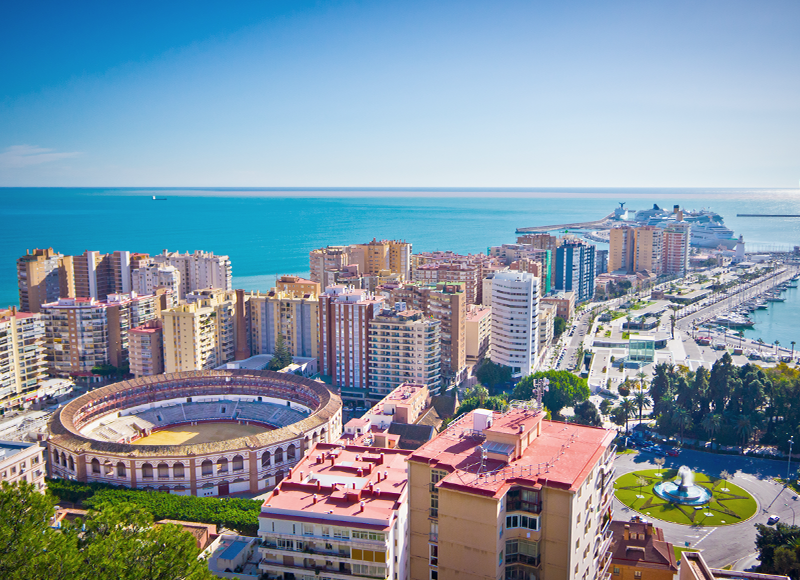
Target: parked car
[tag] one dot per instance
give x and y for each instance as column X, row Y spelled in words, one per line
column 673, row 452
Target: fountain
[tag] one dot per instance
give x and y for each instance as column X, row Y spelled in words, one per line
column 682, row 490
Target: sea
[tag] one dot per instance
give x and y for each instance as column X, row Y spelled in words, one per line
column 270, row 232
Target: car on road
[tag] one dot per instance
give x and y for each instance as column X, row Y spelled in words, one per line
column 773, row 519
column 673, row 452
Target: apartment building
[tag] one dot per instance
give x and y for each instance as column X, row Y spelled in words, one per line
column 511, row 496
column 676, row 248
column 148, row 277
column 344, row 317
column 290, row 309
column 341, row 514
column 547, row 317
column 378, row 258
column 639, row 550
column 468, row 275
column 564, row 303
column 649, row 249
column 446, row 302
column 478, row 333
column 22, row 353
column 404, row 346
column 97, row 275
column 22, row 461
column 543, row 242
column 200, row 334
column 528, row 258
column 515, row 309
column 146, row 344
column 43, row 276
column 622, row 249
column 575, row 269
column 199, row 270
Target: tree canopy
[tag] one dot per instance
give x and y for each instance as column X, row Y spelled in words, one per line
column 559, row 326
column 120, row 542
column 779, row 549
column 565, row 390
column 492, row 375
column 282, row 357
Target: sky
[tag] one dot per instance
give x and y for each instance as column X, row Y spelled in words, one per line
column 400, row 94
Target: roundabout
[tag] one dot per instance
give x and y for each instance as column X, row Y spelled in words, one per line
column 691, row 499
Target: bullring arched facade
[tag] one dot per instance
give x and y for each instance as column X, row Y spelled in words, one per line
column 246, row 464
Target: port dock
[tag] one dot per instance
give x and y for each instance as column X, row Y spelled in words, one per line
column 790, row 215
column 602, row 224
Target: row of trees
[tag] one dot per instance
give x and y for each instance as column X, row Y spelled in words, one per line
column 234, row 513
column 119, row 542
column 729, row 405
column 564, row 390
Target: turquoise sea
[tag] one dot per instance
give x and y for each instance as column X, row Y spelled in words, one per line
column 271, row 231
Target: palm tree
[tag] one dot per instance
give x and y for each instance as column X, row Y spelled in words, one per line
column 642, row 376
column 683, row 418
column 672, row 320
column 629, row 408
column 777, row 344
column 741, row 337
column 744, row 429
column 641, row 401
column 760, row 344
column 481, row 392
column 711, row 424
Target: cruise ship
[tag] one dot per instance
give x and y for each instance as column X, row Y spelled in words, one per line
column 708, row 229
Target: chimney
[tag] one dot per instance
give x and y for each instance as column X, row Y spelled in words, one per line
column 378, row 491
column 382, row 459
column 301, row 476
column 627, row 533
column 315, row 498
column 276, row 491
column 361, row 507
column 385, row 474
column 319, row 485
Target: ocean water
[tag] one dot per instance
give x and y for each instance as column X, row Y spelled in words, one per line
column 270, row 232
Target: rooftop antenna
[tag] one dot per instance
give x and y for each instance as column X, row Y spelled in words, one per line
column 541, row 386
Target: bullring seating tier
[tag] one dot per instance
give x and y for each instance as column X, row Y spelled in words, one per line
column 128, row 427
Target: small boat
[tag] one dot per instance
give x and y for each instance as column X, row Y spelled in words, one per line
column 159, row 198
column 775, row 298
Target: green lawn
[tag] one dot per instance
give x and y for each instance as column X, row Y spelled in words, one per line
column 626, row 451
column 730, row 504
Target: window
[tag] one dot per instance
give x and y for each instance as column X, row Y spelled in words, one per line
column 308, row 530
column 520, row 521
column 616, row 570
column 637, row 574
column 121, row 469
column 434, row 506
column 434, row 575
column 500, row 558
column 326, row 531
column 207, row 467
column 285, row 544
column 434, row 554
column 434, row 537
column 340, row 533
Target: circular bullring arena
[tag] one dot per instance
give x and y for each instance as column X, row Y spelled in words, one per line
column 201, row 433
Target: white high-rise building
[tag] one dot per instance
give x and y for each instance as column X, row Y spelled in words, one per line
column 199, row 271
column 515, row 307
column 145, row 279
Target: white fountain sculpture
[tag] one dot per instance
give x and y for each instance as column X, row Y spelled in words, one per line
column 683, row 490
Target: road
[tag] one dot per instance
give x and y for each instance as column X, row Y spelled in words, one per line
column 723, row 545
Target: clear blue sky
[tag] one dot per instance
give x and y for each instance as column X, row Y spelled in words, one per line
column 401, row 94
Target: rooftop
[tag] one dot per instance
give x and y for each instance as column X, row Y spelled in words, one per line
column 357, row 484
column 10, row 448
column 561, row 455
column 644, row 548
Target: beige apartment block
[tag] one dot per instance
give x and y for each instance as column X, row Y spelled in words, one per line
column 379, row 258
column 649, row 249
column 146, row 343
column 199, row 270
column 97, row 275
column 447, row 302
column 21, row 461
column 290, row 309
column 478, row 331
column 511, row 496
column 404, row 347
column 200, row 334
column 22, row 353
column 622, row 249
column 543, row 242
column 344, row 316
column 82, row 333
column 43, row 276
column 547, row 316
column 676, row 248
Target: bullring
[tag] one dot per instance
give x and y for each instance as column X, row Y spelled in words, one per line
column 104, row 435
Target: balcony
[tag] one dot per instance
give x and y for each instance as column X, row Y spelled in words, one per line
column 523, row 559
column 519, row 505
column 434, row 512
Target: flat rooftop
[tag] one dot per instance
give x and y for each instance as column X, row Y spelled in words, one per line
column 10, row 448
column 561, row 456
column 333, row 481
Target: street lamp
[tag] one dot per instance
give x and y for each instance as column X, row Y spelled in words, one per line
column 789, row 460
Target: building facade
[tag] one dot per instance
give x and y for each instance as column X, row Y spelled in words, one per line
column 341, row 514
column 43, row 276
column 622, row 249
column 649, row 249
column 575, row 268
column 22, row 353
column 478, row 330
column 148, row 277
column 404, row 347
column 21, row 461
column 676, row 248
column 515, row 333
column 199, row 270
column 290, row 309
column 484, row 504
column 146, row 343
column 344, row 317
